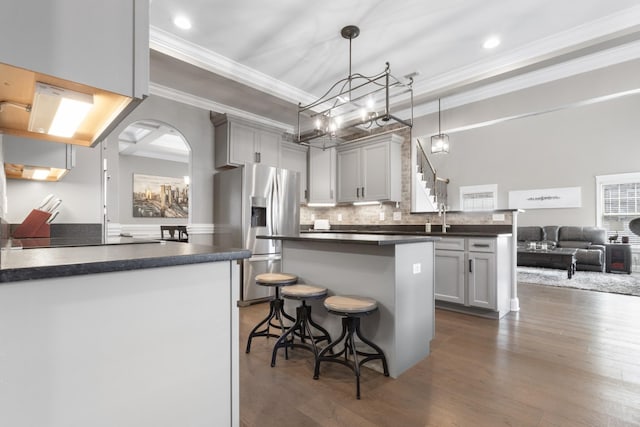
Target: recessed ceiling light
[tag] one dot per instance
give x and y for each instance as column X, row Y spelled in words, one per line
column 182, row 22
column 491, row 42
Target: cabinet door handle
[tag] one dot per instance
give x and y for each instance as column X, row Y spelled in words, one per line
column 362, row 191
column 470, row 266
column 357, row 192
column 480, row 245
column 257, row 155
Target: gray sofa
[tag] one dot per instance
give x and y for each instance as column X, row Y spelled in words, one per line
column 589, row 241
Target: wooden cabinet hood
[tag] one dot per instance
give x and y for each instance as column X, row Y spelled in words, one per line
column 17, row 90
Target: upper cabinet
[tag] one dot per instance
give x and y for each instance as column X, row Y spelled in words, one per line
column 238, row 141
column 370, row 170
column 294, row 157
column 96, row 49
column 98, row 44
column 322, row 175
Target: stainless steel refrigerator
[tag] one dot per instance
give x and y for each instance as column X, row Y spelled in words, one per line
column 255, row 200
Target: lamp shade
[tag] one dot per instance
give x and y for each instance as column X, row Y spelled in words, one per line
column 440, row 143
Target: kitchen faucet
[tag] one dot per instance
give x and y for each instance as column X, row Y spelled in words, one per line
column 442, row 211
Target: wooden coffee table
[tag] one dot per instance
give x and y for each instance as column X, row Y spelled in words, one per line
column 562, row 258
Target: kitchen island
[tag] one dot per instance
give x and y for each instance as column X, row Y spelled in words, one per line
column 126, row 335
column 395, row 270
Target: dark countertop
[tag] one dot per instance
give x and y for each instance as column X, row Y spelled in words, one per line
column 413, row 233
column 30, row 264
column 358, row 238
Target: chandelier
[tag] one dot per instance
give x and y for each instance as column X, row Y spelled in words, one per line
column 355, row 103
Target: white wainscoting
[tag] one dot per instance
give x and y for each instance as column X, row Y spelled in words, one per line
column 152, row 231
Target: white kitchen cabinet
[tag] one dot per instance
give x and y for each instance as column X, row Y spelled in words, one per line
column 98, row 49
column 322, row 175
column 294, row 157
column 370, row 170
column 104, row 45
column 239, row 141
column 349, row 175
column 474, row 272
column 267, row 147
column 450, row 276
column 482, row 280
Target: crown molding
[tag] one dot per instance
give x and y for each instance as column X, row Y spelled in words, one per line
column 582, row 103
column 606, row 28
column 595, row 61
column 207, row 104
column 191, row 53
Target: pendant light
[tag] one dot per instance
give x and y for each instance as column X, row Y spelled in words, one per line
column 439, row 142
column 356, row 102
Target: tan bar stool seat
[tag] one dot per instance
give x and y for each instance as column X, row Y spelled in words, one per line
column 276, row 306
column 351, row 308
column 301, row 329
column 276, row 279
column 350, row 304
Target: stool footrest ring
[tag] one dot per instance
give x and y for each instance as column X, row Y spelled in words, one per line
column 350, row 330
column 301, row 329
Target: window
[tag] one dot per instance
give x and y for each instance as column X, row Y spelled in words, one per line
column 618, row 199
column 479, row 197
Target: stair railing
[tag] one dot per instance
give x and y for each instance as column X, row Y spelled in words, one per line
column 429, row 174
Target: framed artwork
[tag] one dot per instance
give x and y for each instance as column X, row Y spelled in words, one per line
column 160, row 197
column 547, row 198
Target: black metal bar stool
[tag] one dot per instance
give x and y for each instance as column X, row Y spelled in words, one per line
column 351, row 308
column 301, row 329
column 276, row 306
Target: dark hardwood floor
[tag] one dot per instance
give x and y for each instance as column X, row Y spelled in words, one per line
column 568, row 358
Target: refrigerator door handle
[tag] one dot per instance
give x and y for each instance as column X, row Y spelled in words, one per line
column 268, row 257
column 275, row 204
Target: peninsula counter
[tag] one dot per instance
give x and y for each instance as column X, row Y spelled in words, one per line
column 119, row 335
column 395, row 270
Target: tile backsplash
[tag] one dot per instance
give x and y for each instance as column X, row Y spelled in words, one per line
column 383, row 214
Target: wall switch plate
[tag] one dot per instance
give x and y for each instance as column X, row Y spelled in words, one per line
column 498, row 217
column 313, row 217
column 417, row 268
column 397, row 216
column 381, row 216
column 339, row 217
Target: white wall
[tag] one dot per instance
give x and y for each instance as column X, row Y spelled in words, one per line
column 80, row 191
column 129, row 165
column 562, row 148
column 194, row 124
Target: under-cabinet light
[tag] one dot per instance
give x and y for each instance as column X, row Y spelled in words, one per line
column 40, row 174
column 58, row 111
column 365, row 203
column 321, row 205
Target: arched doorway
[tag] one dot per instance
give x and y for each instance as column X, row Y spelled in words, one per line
column 153, row 178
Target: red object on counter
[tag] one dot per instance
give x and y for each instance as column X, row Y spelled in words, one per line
column 34, row 225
